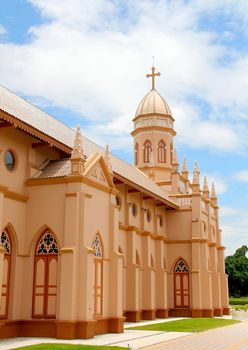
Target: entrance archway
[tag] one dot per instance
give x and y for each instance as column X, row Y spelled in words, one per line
column 6, row 244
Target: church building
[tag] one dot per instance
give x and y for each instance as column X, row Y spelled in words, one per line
column 88, row 240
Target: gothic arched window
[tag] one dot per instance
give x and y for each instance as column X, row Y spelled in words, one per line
column 171, row 153
column 161, row 152
column 45, row 277
column 6, row 244
column 181, row 284
column 136, row 154
column 98, row 271
column 147, row 151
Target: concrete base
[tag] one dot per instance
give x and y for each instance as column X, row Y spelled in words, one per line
column 61, row 329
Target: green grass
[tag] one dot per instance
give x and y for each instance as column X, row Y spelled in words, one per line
column 238, row 301
column 187, row 325
column 69, row 347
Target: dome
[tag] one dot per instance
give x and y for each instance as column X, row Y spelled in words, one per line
column 152, row 103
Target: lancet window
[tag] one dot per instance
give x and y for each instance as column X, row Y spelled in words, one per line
column 147, row 151
column 98, row 278
column 136, row 154
column 45, row 276
column 162, row 152
column 6, row 244
column 181, row 284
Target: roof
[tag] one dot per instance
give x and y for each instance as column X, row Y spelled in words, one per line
column 153, row 103
column 41, row 121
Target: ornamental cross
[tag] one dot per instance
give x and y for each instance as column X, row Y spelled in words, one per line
column 153, row 75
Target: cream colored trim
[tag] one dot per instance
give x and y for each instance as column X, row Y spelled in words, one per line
column 16, row 196
column 67, row 250
column 71, row 194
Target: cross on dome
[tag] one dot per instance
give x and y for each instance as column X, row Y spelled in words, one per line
column 153, row 75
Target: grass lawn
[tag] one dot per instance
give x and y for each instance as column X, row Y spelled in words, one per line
column 238, row 301
column 187, row 325
column 69, row 347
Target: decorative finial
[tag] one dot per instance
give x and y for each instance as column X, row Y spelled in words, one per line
column 185, row 172
column 213, row 193
column 77, row 151
column 153, row 75
column 205, row 185
column 107, row 158
column 196, row 175
column 174, row 156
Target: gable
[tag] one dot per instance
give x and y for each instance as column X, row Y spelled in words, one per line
column 97, row 171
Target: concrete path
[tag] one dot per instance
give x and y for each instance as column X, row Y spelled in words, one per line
column 228, row 338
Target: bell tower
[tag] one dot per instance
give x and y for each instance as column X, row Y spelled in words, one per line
column 153, row 134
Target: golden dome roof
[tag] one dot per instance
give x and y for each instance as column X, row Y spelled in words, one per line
column 152, row 103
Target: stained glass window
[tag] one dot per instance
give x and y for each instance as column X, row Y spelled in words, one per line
column 5, row 241
column 47, row 244
column 96, row 245
column 181, row 267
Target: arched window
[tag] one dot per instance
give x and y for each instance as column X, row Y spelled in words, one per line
column 45, row 277
column 171, row 153
column 98, row 280
column 6, row 244
column 181, row 284
column 162, row 152
column 136, row 154
column 147, row 151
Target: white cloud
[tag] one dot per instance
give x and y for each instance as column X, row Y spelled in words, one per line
column 92, row 57
column 241, row 175
column 2, row 30
column 219, row 183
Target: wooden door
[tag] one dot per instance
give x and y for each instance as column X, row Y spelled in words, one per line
column 181, row 285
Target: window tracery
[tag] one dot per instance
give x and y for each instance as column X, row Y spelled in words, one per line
column 5, row 241
column 96, row 245
column 161, row 152
column 181, row 267
column 147, row 151
column 47, row 244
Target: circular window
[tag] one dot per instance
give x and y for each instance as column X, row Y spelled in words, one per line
column 118, row 201
column 160, row 219
column 134, row 209
column 9, row 160
column 148, row 215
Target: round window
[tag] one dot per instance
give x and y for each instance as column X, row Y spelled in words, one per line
column 134, row 209
column 9, row 160
column 148, row 215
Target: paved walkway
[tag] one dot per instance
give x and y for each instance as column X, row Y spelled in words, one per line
column 228, row 338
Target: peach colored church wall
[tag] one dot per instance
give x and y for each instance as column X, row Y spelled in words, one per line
column 97, row 218
column 46, row 207
column 179, row 225
column 18, row 143
column 122, row 194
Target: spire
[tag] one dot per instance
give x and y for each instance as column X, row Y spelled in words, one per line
column 196, row 175
column 174, row 160
column 213, row 193
column 213, row 196
column 185, row 172
column 77, row 155
column 153, row 75
column 107, row 158
column 205, row 185
column 77, row 151
column 205, row 188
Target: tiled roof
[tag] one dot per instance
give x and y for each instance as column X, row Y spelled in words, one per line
column 33, row 116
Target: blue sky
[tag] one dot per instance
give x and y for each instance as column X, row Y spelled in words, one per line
column 85, row 63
